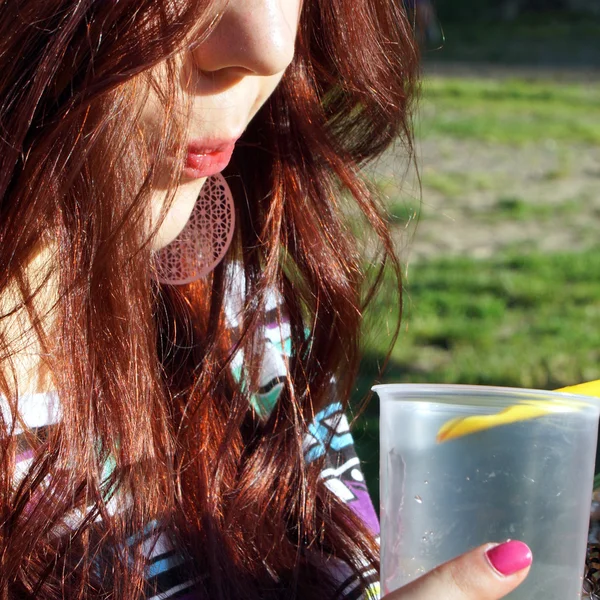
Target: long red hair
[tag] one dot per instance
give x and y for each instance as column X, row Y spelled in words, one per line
column 143, row 372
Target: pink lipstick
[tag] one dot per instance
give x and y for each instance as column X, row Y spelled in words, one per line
column 204, row 160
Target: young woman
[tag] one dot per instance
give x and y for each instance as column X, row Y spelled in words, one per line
column 181, row 297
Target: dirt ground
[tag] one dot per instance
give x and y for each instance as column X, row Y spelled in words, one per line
column 560, row 209
column 543, row 197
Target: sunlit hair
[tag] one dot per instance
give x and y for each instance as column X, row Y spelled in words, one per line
column 143, row 372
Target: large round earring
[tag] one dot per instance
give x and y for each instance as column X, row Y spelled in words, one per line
column 205, row 239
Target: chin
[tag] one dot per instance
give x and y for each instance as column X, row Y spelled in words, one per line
column 178, row 214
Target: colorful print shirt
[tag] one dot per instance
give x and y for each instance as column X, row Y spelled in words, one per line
column 328, row 436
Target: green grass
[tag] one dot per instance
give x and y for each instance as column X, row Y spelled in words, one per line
column 515, row 208
column 552, row 40
column 402, row 207
column 453, row 184
column 520, row 320
column 529, row 321
column 512, row 111
column 403, row 212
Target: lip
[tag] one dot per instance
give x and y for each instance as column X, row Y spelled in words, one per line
column 204, row 159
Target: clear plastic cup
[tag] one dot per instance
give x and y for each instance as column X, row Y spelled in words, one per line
column 529, row 480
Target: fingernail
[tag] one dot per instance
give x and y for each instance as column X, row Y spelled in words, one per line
column 510, row 557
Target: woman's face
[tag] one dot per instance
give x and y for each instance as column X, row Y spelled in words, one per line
column 226, row 80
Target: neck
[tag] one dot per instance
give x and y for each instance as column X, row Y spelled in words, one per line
column 22, row 320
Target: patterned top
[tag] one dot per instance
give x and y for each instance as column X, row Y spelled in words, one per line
column 328, row 436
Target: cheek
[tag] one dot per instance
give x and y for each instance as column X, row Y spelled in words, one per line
column 292, row 9
column 298, row 5
column 266, row 87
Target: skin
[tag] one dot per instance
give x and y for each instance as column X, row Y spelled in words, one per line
column 225, row 81
column 228, row 78
column 468, row 577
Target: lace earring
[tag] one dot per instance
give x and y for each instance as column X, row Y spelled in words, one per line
column 205, row 239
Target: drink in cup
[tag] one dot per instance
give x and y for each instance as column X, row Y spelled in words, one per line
column 466, row 465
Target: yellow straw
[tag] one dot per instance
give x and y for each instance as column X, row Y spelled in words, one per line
column 528, row 409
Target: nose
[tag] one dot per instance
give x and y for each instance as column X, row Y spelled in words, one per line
column 253, row 36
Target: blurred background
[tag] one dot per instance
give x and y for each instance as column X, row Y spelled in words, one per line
column 499, row 230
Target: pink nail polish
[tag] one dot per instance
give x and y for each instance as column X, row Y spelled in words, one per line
column 510, row 557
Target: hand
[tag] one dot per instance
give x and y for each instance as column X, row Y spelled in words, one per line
column 486, row 573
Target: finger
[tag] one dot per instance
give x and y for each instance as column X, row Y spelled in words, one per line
column 486, row 573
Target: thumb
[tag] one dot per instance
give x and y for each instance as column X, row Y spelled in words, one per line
column 486, row 573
